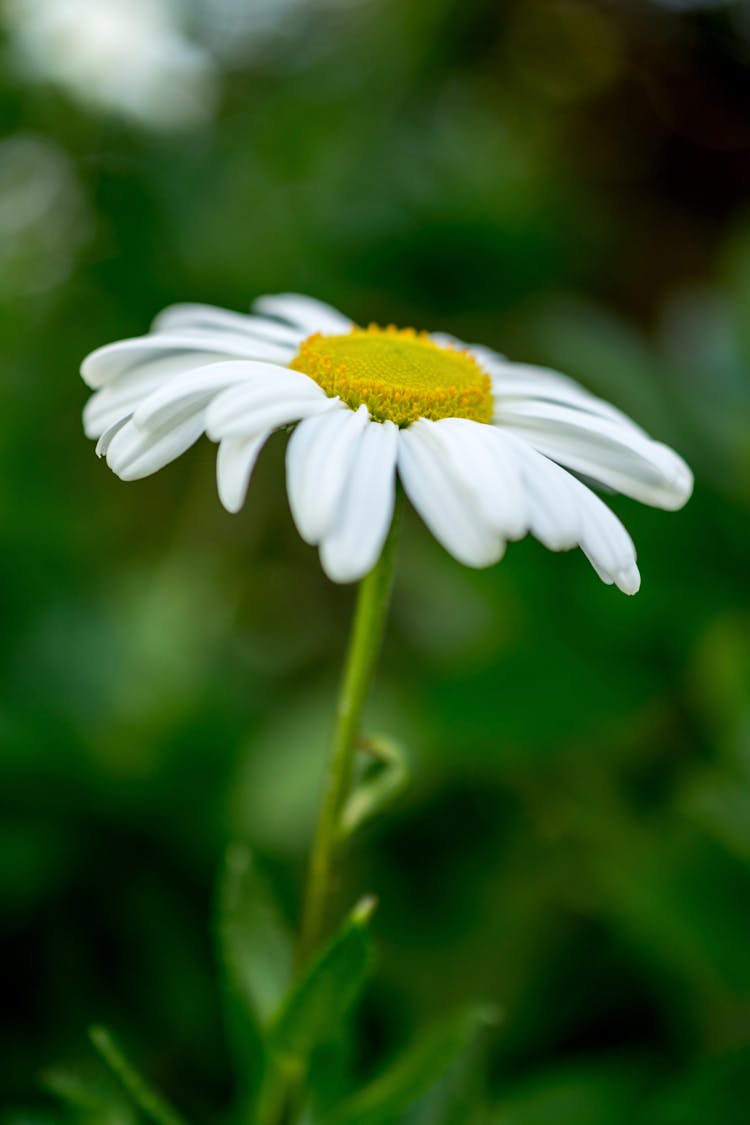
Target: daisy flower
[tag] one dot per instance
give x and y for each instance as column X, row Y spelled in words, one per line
column 486, row 450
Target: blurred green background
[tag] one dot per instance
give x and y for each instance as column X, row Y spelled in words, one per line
column 567, row 181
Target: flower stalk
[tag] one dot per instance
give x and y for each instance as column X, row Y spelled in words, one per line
column 373, row 598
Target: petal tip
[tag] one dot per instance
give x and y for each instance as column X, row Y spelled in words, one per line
column 628, row 580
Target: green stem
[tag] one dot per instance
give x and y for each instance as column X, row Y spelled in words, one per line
column 373, row 597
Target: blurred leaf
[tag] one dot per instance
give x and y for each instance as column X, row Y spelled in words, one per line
column 315, row 1012
column 255, row 949
column 88, row 1099
column 384, row 781
column 150, row 1103
column 582, row 1093
column 327, row 990
column 255, row 942
column 433, row 1064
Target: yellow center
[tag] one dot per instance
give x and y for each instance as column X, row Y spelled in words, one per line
column 399, row 374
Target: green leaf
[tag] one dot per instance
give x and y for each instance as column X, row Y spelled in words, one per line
column 327, row 990
column 316, row 1010
column 380, row 785
column 255, row 950
column 424, row 1071
column 143, row 1096
column 255, row 943
column 87, row 1098
column 602, row 1090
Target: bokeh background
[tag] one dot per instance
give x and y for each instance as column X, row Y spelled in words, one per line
column 566, row 180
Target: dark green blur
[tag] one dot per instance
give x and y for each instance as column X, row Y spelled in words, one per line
column 568, row 182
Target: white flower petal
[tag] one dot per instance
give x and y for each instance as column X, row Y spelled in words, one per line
column 208, row 318
column 554, row 517
column 351, row 549
column 444, row 503
column 263, row 403
column 305, row 313
column 134, row 453
column 565, row 513
column 619, row 456
column 193, row 390
column 318, row 459
column 512, row 382
column 605, row 542
column 235, row 462
column 170, row 354
column 119, row 399
column 485, row 357
column 105, row 440
column 489, row 469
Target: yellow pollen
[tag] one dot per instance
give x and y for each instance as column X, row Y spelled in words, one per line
column 399, row 374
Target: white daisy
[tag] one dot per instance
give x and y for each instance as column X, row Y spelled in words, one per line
column 486, row 450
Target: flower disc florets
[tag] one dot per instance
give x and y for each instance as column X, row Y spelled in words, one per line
column 399, row 374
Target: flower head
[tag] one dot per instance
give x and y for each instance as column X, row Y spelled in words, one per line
column 487, row 450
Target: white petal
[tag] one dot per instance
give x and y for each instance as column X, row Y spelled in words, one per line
column 134, row 453
column 208, row 318
column 169, row 354
column 235, row 462
column 520, row 381
column 488, row 468
column 485, row 357
column 354, row 545
column 554, row 517
column 318, row 460
column 605, row 542
column 306, row 313
column 616, row 455
column 193, row 390
column 263, row 403
column 105, row 440
column 119, row 399
column 565, row 513
column 437, row 492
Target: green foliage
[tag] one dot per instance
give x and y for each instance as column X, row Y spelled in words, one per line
column 315, row 1014
column 255, row 952
column 151, row 1104
column 383, row 781
column 87, row 1100
column 429, row 1081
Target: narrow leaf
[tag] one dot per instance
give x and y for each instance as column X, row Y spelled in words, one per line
column 315, row 1012
column 384, row 781
column 254, row 948
column 88, row 1099
column 417, row 1072
column 327, row 990
column 255, row 944
column 143, row 1096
